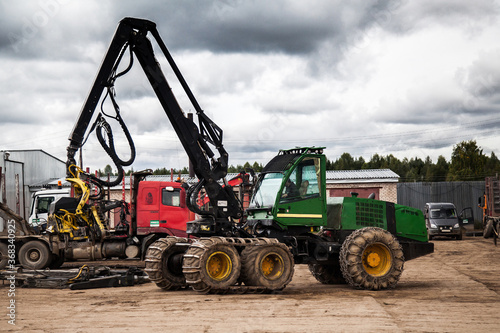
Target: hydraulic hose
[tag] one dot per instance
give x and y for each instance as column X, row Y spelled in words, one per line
column 109, row 147
column 192, row 196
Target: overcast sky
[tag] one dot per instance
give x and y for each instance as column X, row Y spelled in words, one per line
column 408, row 78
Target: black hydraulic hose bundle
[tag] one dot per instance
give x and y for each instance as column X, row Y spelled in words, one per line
column 192, row 196
column 101, row 125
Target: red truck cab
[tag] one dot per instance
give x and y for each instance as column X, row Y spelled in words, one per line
column 161, row 208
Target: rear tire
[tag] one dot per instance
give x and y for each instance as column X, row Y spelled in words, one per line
column 371, row 258
column 4, row 255
column 164, row 263
column 270, row 266
column 35, row 255
column 211, row 265
column 327, row 274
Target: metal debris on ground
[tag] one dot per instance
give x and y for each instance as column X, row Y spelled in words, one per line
column 86, row 277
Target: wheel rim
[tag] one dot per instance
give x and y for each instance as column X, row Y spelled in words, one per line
column 219, row 266
column 377, row 259
column 272, row 266
column 33, row 255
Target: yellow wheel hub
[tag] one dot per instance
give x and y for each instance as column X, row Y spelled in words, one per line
column 219, row 266
column 272, row 266
column 377, row 259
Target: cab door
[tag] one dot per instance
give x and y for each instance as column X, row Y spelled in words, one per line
column 302, row 198
column 173, row 211
column 40, row 211
column 148, row 212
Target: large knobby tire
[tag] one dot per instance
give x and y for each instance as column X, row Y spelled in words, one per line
column 164, row 263
column 267, row 265
column 4, row 255
column 211, row 265
column 327, row 274
column 35, row 255
column 371, row 258
column 488, row 229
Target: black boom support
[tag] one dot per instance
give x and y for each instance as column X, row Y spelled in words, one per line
column 196, row 140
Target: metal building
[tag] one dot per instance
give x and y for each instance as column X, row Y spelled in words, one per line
column 380, row 182
column 22, row 168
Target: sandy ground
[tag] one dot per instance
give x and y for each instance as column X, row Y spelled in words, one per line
column 456, row 289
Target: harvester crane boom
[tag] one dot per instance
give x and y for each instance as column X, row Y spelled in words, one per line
column 132, row 33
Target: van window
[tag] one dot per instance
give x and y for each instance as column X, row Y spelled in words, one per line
column 443, row 213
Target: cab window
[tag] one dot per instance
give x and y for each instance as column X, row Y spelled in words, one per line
column 304, row 181
column 171, row 198
column 43, row 204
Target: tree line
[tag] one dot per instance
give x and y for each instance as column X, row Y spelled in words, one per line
column 468, row 163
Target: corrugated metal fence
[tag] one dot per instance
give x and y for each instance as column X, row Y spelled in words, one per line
column 462, row 194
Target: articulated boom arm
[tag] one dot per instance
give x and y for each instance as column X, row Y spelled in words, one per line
column 132, row 33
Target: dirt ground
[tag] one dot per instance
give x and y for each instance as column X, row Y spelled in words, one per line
column 456, row 289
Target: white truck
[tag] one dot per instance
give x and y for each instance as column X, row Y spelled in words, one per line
column 40, row 205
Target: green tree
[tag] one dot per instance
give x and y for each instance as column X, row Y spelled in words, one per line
column 467, row 162
column 345, row 162
column 108, row 170
column 414, row 173
column 257, row 167
column 437, row 172
column 375, row 162
column 492, row 165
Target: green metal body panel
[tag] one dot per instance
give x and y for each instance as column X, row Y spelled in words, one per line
column 351, row 213
column 410, row 223
column 305, row 212
column 314, row 209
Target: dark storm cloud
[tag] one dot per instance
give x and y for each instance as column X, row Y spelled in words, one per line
column 258, row 26
column 52, row 29
column 289, row 62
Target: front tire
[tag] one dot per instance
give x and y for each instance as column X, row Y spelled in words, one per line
column 270, row 266
column 164, row 263
column 35, row 255
column 371, row 258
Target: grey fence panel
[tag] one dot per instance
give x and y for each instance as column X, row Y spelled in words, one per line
column 462, row 194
